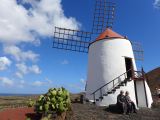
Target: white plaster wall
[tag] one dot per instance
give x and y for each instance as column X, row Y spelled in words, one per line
column 149, row 95
column 141, row 94
column 106, row 62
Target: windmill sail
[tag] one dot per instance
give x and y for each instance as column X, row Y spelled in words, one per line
column 72, row 40
column 103, row 16
column 138, row 51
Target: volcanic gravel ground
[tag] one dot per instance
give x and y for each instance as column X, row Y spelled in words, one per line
column 84, row 112
column 91, row 112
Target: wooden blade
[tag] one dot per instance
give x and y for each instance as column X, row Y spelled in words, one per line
column 138, row 51
column 72, row 40
column 103, row 16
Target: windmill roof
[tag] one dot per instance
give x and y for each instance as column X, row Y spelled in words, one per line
column 108, row 33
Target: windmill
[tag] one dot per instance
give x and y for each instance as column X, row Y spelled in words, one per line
column 111, row 64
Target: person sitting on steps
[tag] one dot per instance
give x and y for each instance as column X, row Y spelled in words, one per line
column 130, row 104
column 121, row 102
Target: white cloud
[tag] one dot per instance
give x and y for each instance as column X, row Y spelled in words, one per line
column 19, row 54
column 35, row 69
column 38, row 83
column 49, row 81
column 65, row 62
column 23, row 69
column 46, row 82
column 4, row 63
column 25, row 25
column 19, row 75
column 6, row 81
column 157, row 4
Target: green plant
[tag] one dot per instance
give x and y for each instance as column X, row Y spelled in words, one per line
column 30, row 103
column 56, row 100
column 28, row 118
column 45, row 118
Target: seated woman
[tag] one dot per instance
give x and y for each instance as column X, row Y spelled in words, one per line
column 130, row 104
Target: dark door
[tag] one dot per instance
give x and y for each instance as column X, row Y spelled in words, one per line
column 129, row 67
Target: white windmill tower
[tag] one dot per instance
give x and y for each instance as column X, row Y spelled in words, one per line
column 112, row 65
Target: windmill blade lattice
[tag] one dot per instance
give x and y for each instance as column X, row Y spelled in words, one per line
column 103, row 16
column 138, row 51
column 72, row 40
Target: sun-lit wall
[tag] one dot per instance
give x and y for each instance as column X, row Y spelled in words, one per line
column 106, row 62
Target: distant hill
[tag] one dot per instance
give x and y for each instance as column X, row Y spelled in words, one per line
column 154, row 79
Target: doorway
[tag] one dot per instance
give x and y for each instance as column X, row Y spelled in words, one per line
column 129, row 67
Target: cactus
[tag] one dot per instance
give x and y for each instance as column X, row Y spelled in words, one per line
column 55, row 100
column 30, row 103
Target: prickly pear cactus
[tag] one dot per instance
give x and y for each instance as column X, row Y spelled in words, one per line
column 56, row 100
column 30, row 103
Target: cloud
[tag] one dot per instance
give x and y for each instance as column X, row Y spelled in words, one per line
column 6, row 81
column 19, row 75
column 157, row 4
column 25, row 24
column 38, row 83
column 20, row 55
column 23, row 69
column 4, row 63
column 49, row 81
column 35, row 69
column 65, row 62
column 46, row 82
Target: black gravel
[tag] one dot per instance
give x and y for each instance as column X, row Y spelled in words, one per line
column 92, row 112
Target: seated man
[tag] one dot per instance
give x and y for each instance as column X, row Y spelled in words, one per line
column 130, row 104
column 121, row 102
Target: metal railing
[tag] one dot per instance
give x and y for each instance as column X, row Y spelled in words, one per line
column 117, row 81
column 139, row 75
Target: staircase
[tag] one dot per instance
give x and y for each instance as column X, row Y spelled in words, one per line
column 117, row 83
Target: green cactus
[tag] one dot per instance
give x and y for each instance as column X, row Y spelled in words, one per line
column 55, row 100
column 54, row 92
column 31, row 103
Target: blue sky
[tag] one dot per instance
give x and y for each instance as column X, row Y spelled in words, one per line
column 29, row 64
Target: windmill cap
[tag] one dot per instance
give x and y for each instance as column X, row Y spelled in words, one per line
column 108, row 33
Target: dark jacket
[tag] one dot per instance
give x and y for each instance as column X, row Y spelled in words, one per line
column 120, row 99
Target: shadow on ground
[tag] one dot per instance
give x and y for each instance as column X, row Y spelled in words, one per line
column 33, row 116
